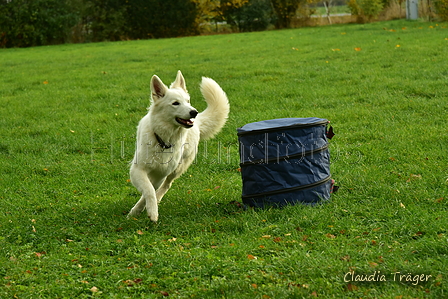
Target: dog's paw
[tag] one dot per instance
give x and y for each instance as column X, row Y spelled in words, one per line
column 133, row 213
column 153, row 218
column 153, row 215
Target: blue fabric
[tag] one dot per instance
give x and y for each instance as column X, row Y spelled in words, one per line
column 284, row 161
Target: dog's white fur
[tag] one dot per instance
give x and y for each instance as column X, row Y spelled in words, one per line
column 168, row 137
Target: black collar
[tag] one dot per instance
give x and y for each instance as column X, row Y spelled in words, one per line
column 161, row 143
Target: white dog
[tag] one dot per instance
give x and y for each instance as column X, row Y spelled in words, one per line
column 168, row 137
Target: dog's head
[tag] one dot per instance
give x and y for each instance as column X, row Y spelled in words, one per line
column 173, row 102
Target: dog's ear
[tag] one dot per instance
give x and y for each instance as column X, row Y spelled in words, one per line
column 179, row 82
column 158, row 89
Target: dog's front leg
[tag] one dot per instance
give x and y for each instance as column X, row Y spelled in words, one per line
column 140, row 180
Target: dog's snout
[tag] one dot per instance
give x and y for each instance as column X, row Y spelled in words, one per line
column 193, row 113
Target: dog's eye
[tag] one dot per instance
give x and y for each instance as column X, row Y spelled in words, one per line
column 176, row 103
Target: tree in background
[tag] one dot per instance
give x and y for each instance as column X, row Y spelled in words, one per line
column 208, row 11
column 441, row 7
column 246, row 15
column 102, row 19
column 161, row 18
column 366, row 10
column 25, row 23
column 286, row 11
column 256, row 15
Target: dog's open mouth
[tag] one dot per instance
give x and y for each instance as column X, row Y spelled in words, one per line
column 188, row 123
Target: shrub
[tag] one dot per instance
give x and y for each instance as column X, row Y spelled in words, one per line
column 288, row 12
column 102, row 20
column 161, row 18
column 367, row 9
column 25, row 23
column 253, row 15
column 441, row 7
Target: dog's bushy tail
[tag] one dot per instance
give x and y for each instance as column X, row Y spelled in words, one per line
column 213, row 118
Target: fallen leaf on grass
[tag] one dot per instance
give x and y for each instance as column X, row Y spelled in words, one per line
column 351, row 287
column 40, row 254
column 45, row 82
column 251, row 257
column 439, row 200
column 330, row 236
column 373, row 264
column 131, row 283
column 417, row 235
column 402, row 205
column 345, row 258
column 358, row 49
column 413, row 176
column 164, row 293
column 139, row 232
column 94, row 290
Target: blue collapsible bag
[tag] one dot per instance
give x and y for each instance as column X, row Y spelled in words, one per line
column 285, row 161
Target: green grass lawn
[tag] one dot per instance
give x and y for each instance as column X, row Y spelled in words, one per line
column 68, row 117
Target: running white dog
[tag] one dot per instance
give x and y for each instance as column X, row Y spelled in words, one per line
column 168, row 137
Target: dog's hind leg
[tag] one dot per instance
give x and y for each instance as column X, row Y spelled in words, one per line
column 140, row 180
column 166, row 186
column 138, row 207
column 181, row 168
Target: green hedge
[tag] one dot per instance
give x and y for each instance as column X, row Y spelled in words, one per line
column 25, row 23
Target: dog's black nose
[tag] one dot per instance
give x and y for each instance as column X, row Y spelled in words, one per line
column 193, row 113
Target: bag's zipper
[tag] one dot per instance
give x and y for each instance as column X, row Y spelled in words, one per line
column 269, row 193
column 296, row 126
